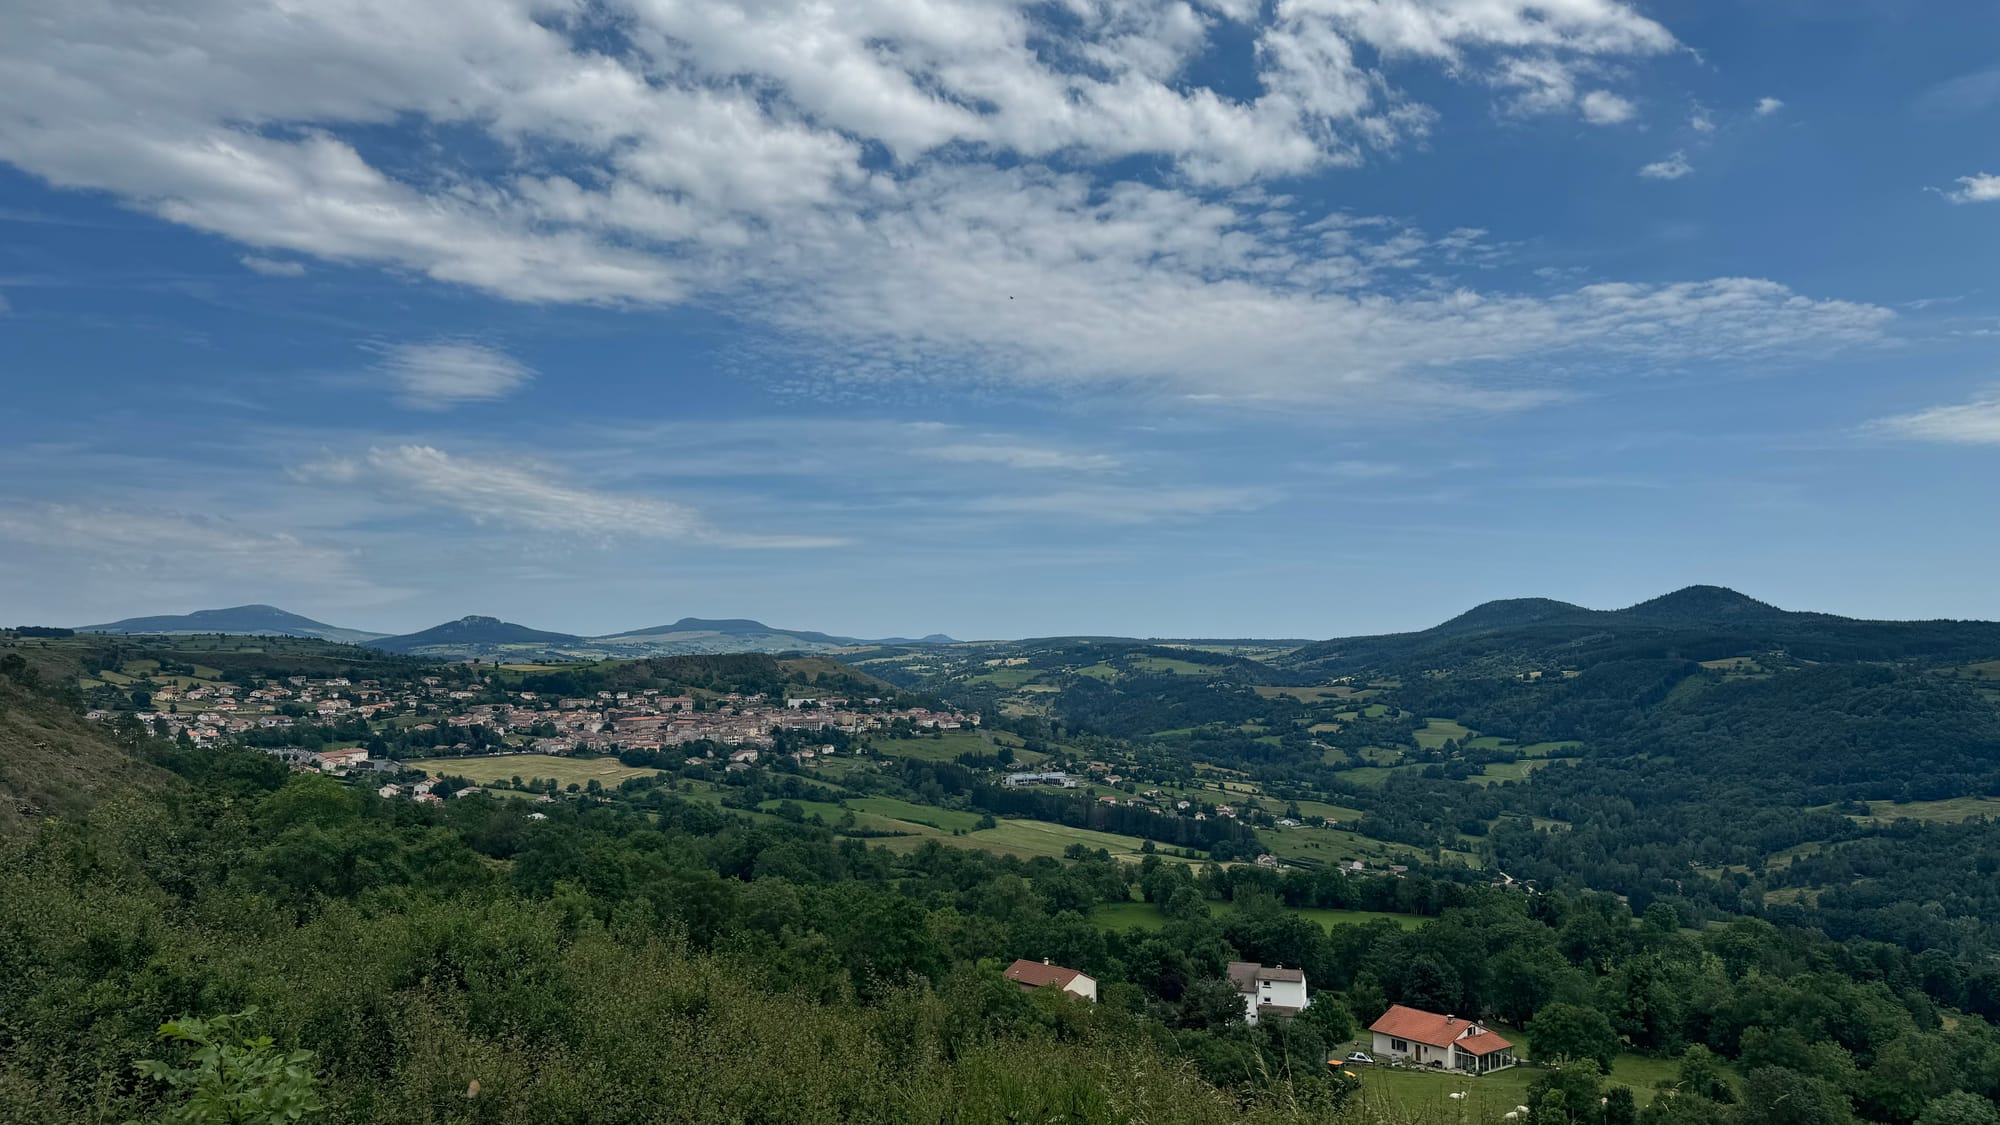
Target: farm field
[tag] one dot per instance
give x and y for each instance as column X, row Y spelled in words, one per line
column 490, row 768
column 1437, row 732
column 929, row 815
column 1030, row 838
column 948, row 748
column 831, row 814
column 1512, row 771
column 1934, row 812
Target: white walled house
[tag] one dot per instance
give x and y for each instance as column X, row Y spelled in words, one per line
column 1268, row 989
column 1031, row 975
column 1444, row 1042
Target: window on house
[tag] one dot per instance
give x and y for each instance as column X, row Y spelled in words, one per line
column 1398, row 1045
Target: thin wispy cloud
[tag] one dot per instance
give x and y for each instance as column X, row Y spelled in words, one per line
column 1031, row 457
column 1965, row 93
column 525, row 497
column 165, row 553
column 437, row 376
column 1130, row 505
column 272, row 267
column 1968, row 423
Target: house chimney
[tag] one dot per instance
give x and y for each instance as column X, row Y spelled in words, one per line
column 1045, row 960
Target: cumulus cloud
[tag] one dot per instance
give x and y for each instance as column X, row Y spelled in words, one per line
column 1601, row 107
column 1768, row 106
column 1981, row 188
column 521, row 496
column 272, row 267
column 870, row 182
column 435, row 376
column 1970, row 423
column 1672, row 168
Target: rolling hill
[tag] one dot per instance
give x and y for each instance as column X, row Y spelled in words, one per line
column 1695, row 623
column 262, row 620
column 474, row 635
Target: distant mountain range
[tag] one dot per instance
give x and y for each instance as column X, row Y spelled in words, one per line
column 485, row 637
column 1699, row 622
column 1696, row 623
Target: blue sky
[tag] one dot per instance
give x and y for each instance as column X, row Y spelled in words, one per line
column 998, row 319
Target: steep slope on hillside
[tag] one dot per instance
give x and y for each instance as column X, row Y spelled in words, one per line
column 53, row 762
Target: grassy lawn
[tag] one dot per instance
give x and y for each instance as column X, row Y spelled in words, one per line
column 1411, row 1094
column 500, row 767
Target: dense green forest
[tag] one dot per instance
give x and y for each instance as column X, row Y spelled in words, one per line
column 647, row 957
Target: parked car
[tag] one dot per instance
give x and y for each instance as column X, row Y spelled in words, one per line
column 1361, row 1057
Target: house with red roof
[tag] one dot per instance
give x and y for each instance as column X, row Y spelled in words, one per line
column 1031, row 975
column 1445, row 1042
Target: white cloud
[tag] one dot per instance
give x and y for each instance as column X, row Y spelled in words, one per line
column 872, row 181
column 1016, row 456
column 515, row 495
column 273, row 267
column 439, row 375
column 1127, row 505
column 1971, row 423
column 1981, row 188
column 1672, row 168
column 1701, row 122
column 1601, row 107
column 173, row 554
column 1768, row 106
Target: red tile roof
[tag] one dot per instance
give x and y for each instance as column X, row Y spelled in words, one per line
column 1034, row 974
column 1438, row 1031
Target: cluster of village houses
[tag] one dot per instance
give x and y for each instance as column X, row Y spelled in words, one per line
column 647, row 719
column 1403, row 1035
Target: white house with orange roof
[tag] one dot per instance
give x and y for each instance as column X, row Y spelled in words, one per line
column 1445, row 1042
